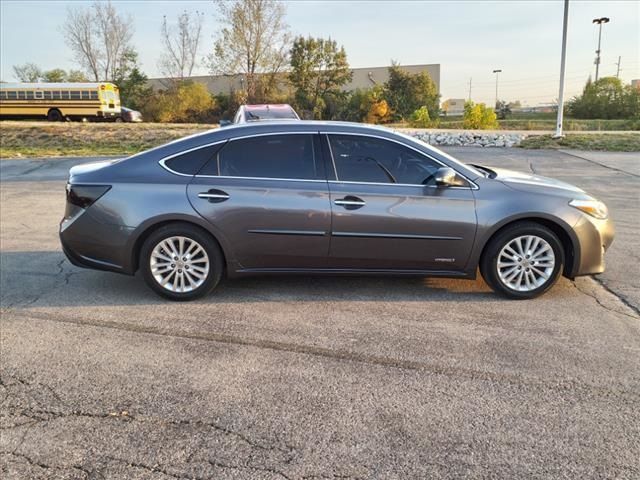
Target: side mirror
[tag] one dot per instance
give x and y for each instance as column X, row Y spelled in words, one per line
column 446, row 177
column 225, row 123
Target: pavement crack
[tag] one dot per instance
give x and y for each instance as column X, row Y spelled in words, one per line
column 617, row 295
column 606, row 307
column 600, row 164
column 31, row 461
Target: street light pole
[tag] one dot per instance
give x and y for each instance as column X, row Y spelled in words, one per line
column 563, row 57
column 599, row 21
column 497, row 72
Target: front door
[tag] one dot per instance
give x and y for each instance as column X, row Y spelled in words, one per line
column 268, row 196
column 388, row 212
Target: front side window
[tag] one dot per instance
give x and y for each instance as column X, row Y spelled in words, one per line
column 374, row 160
column 274, row 156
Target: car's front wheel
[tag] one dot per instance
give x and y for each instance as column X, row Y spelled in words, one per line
column 523, row 261
column 181, row 262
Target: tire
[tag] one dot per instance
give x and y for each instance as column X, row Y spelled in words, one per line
column 119, row 120
column 184, row 279
column 54, row 115
column 518, row 276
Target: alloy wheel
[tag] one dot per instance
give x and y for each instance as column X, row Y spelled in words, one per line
column 179, row 264
column 526, row 263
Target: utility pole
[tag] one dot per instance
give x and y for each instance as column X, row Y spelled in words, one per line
column 618, row 64
column 470, row 78
column 563, row 57
column 599, row 21
column 497, row 72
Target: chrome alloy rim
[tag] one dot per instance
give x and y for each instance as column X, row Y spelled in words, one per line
column 179, row 264
column 526, row 263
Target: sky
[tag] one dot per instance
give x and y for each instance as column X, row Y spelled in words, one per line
column 469, row 39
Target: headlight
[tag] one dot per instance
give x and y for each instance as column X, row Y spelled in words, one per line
column 592, row 207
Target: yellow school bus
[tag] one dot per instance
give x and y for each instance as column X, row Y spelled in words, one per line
column 60, row 101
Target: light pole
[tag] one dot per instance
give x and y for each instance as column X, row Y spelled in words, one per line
column 563, row 56
column 497, row 72
column 599, row 21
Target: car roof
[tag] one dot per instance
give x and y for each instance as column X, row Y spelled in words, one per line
column 274, row 106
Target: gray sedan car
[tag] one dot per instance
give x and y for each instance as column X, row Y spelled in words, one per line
column 325, row 198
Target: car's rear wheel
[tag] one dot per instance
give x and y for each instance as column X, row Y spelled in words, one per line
column 181, row 262
column 523, row 261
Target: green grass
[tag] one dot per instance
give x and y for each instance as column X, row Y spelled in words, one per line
column 612, row 142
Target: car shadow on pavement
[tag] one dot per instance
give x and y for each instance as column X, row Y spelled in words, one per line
column 46, row 278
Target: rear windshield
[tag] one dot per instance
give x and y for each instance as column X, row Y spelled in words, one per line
column 269, row 113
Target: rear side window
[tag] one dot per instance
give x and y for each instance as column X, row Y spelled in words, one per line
column 190, row 163
column 272, row 156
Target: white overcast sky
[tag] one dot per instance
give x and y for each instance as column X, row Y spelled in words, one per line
column 467, row 38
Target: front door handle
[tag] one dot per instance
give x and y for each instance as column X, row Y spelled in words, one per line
column 350, row 202
column 214, row 196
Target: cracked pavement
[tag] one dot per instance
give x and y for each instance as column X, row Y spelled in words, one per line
column 316, row 378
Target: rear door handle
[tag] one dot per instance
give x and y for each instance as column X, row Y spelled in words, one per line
column 214, row 196
column 350, row 202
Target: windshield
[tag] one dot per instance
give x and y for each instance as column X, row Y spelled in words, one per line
column 269, row 113
column 474, row 169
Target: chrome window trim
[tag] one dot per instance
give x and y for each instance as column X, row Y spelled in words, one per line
column 263, row 178
column 473, row 185
column 183, row 152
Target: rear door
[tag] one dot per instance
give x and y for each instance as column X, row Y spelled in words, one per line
column 389, row 214
column 268, row 195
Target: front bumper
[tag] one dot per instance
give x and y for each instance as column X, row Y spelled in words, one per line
column 594, row 238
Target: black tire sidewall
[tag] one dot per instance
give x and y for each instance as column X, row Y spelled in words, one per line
column 488, row 265
column 216, row 260
column 54, row 115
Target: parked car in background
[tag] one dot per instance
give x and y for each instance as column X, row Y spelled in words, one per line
column 257, row 113
column 325, row 198
column 129, row 115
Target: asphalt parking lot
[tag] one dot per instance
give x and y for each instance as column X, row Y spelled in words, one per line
column 317, row 378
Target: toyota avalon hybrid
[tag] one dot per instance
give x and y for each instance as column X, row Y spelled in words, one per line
column 325, row 198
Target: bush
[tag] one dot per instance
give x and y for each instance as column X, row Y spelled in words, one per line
column 420, row 118
column 406, row 92
column 182, row 103
column 479, row 117
column 607, row 98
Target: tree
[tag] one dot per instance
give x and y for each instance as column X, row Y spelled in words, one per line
column 318, row 69
column 254, row 42
column 55, row 75
column 478, row 117
column 406, row 92
column 29, row 72
column 503, row 109
column 134, row 91
column 99, row 36
column 606, row 98
column 76, row 76
column 181, row 45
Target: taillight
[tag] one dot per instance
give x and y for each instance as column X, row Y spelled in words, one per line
column 84, row 196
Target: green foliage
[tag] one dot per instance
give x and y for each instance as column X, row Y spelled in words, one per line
column 182, row 103
column 76, row 76
column 406, row 92
column 607, row 98
column 55, row 75
column 479, row 117
column 608, row 142
column 318, row 69
column 420, row 118
column 503, row 109
column 134, row 91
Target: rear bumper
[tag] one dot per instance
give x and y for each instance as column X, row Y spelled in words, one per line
column 595, row 237
column 89, row 243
